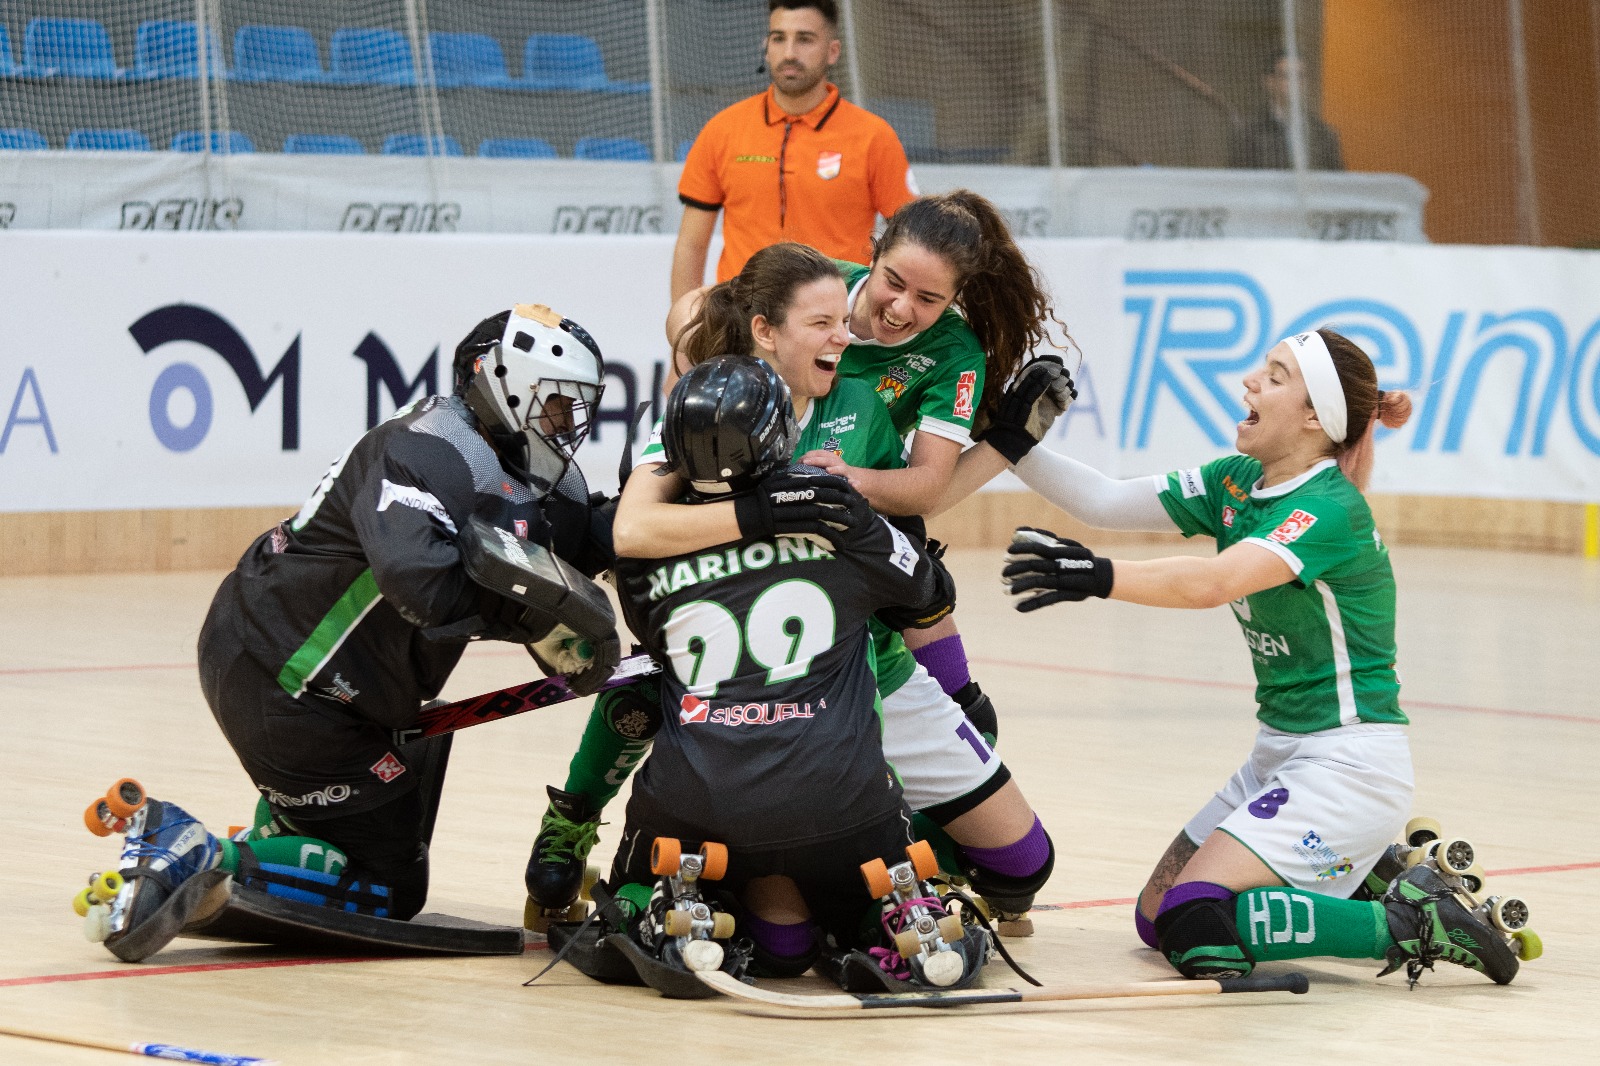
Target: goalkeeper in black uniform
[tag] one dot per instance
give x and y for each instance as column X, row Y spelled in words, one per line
column 772, row 740
column 338, row 624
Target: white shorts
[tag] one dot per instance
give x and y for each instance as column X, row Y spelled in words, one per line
column 1318, row 808
column 939, row 755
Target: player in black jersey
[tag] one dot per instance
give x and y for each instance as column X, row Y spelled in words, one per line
column 773, row 740
column 338, row 624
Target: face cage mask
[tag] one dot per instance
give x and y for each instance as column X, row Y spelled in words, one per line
column 558, row 422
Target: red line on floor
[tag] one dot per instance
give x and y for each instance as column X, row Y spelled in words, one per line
column 1126, row 675
column 215, row 967
column 15, row 670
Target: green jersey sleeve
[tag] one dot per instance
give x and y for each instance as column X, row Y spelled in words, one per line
column 1195, row 498
column 654, row 451
column 1313, row 534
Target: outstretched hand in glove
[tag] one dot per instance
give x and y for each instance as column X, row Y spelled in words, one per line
column 1043, row 568
column 1029, row 406
column 587, row 664
column 801, row 501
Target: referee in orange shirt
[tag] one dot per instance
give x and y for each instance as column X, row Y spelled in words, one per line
column 794, row 163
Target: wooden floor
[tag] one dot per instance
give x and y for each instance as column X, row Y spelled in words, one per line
column 1117, row 720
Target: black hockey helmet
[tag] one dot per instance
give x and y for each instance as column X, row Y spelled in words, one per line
column 729, row 423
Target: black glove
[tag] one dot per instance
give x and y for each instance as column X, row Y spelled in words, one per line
column 793, row 502
column 1029, row 406
column 1062, row 569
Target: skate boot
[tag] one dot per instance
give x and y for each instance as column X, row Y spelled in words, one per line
column 1006, row 906
column 931, row 947
column 681, row 926
column 557, row 878
column 1428, row 920
column 164, row 847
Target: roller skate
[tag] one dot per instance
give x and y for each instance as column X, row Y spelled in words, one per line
column 930, row 946
column 1453, row 862
column 1005, row 910
column 680, row 926
column 138, row 907
column 558, row 880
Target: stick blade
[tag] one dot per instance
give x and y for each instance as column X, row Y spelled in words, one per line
column 750, row 999
column 1293, row 983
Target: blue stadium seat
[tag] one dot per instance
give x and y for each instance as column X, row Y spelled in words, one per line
column 569, row 61
column 517, row 148
column 194, row 141
column 22, row 139
column 371, row 57
column 683, row 150
column 276, row 53
column 912, row 120
column 468, row 59
column 7, row 65
column 78, row 48
column 164, row 48
column 95, row 140
column 617, row 149
column 417, row 144
column 322, row 144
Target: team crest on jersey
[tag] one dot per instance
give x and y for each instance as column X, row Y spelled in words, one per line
column 966, row 385
column 1293, row 527
column 388, row 768
column 832, row 444
column 692, row 709
column 893, row 384
column 1227, row 516
column 828, row 164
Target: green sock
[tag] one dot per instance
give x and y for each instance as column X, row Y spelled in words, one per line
column 308, row 853
column 605, row 758
column 1285, row 923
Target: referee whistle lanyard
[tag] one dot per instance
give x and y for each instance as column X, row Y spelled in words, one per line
column 783, row 166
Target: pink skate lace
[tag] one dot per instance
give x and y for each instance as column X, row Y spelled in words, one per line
column 890, row 961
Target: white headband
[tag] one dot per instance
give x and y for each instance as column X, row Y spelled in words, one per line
column 1322, row 383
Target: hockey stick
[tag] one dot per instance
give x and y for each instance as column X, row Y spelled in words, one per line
column 155, row 1051
column 754, row 1000
column 530, row 696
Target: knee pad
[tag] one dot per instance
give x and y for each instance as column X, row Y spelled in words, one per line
column 1012, row 894
column 632, row 711
column 1196, row 931
column 765, row 962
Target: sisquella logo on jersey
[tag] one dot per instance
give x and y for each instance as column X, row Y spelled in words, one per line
column 692, row 710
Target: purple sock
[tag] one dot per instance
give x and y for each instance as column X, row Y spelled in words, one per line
column 1026, row 856
column 946, row 660
column 784, row 941
column 1190, row 891
column 1146, row 928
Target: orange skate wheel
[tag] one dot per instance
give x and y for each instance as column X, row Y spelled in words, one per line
column 721, row 925
column 876, row 875
column 716, row 861
column 99, row 821
column 923, row 860
column 908, row 944
column 678, row 923
column 125, row 797
column 666, row 855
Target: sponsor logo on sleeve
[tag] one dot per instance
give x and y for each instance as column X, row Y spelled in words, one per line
column 388, row 768
column 966, row 385
column 828, row 164
column 410, row 496
column 1227, row 516
column 1293, row 527
column 1191, row 483
column 521, row 526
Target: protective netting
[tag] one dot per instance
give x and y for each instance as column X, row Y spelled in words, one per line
column 1493, row 105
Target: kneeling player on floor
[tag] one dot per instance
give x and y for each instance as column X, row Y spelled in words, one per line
column 1279, row 864
column 338, row 624
column 772, row 741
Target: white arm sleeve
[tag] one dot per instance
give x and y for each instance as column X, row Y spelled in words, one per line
column 1091, row 497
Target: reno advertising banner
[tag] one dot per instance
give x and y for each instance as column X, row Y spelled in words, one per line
column 214, row 369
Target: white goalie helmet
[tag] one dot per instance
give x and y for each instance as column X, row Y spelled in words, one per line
column 534, row 380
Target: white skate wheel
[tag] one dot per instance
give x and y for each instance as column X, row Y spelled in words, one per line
column 702, row 956
column 97, row 923
column 943, row 968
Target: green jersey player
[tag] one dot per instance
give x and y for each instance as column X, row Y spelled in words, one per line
column 1273, row 867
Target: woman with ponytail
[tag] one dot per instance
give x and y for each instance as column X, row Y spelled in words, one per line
column 1290, row 858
